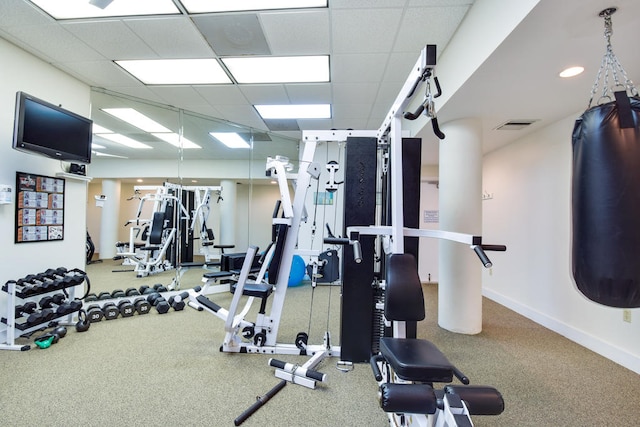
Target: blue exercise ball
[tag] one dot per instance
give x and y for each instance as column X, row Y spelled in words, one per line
column 297, row 271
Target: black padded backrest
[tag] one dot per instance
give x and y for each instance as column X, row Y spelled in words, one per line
column 157, row 224
column 403, row 300
column 274, row 265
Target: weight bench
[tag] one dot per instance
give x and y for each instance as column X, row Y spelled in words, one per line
column 407, row 368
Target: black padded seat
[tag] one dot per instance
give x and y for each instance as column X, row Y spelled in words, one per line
column 217, row 274
column 416, row 360
column 258, row 290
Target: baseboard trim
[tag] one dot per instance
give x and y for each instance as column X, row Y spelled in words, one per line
column 611, row 352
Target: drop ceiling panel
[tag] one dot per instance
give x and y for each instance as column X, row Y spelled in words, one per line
column 111, row 38
column 356, row 4
column 52, row 41
column 222, row 95
column 315, row 93
column 450, row 3
column 242, row 114
column 265, row 94
column 297, row 33
column 319, row 124
column 399, row 66
column 360, row 93
column 100, row 73
column 174, row 37
column 436, row 24
column 351, row 110
column 18, row 13
column 178, row 95
column 358, row 67
column 364, row 30
column 233, row 35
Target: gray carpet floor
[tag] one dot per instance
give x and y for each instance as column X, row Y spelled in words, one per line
column 167, row 370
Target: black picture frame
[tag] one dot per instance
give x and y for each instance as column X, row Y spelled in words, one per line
column 39, row 208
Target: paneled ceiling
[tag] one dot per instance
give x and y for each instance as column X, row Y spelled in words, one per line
column 372, row 45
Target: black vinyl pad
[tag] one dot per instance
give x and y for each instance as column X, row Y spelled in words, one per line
column 416, row 360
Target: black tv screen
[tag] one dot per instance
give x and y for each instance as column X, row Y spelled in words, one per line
column 44, row 128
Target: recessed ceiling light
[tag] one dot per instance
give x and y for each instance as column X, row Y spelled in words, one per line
column 139, row 180
column 308, row 111
column 198, row 71
column 174, row 139
column 571, row 71
column 203, row 6
column 230, row 139
column 137, row 119
column 125, row 140
column 74, row 9
column 279, row 69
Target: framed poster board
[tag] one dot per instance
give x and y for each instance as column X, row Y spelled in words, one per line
column 39, row 208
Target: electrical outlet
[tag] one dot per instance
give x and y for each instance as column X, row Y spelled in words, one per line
column 626, row 316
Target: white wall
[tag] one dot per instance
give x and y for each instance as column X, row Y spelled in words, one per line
column 530, row 213
column 22, row 72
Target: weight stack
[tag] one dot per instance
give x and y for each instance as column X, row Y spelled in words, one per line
column 356, row 332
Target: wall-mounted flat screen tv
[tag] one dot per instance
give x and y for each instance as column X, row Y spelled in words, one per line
column 50, row 130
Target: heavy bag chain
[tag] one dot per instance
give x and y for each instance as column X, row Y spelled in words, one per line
column 610, row 64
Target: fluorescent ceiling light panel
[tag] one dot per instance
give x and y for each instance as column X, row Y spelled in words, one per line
column 198, row 71
column 174, row 139
column 125, row 140
column 137, row 119
column 308, row 111
column 97, row 129
column 230, row 139
column 97, row 146
column 203, row 6
column 99, row 154
column 279, row 69
column 75, row 9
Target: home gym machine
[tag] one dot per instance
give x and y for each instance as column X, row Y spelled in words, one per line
column 406, row 367
column 157, row 254
column 260, row 336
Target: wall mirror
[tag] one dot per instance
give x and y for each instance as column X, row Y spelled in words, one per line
column 184, row 150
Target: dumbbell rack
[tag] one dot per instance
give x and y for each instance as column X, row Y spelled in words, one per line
column 16, row 329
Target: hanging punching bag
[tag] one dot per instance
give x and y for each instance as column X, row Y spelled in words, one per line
column 606, row 202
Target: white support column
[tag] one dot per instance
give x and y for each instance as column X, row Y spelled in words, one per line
column 109, row 221
column 460, row 197
column 228, row 213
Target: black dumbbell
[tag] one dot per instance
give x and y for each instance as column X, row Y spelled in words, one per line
column 91, row 297
column 158, row 301
column 57, row 303
column 118, row 293
column 159, row 287
column 29, row 285
column 111, row 311
column 104, row 296
column 126, row 308
column 132, row 292
column 94, row 313
column 146, row 290
column 33, row 316
column 141, row 305
column 177, row 302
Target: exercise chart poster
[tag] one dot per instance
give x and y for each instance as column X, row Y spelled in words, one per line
column 39, row 208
